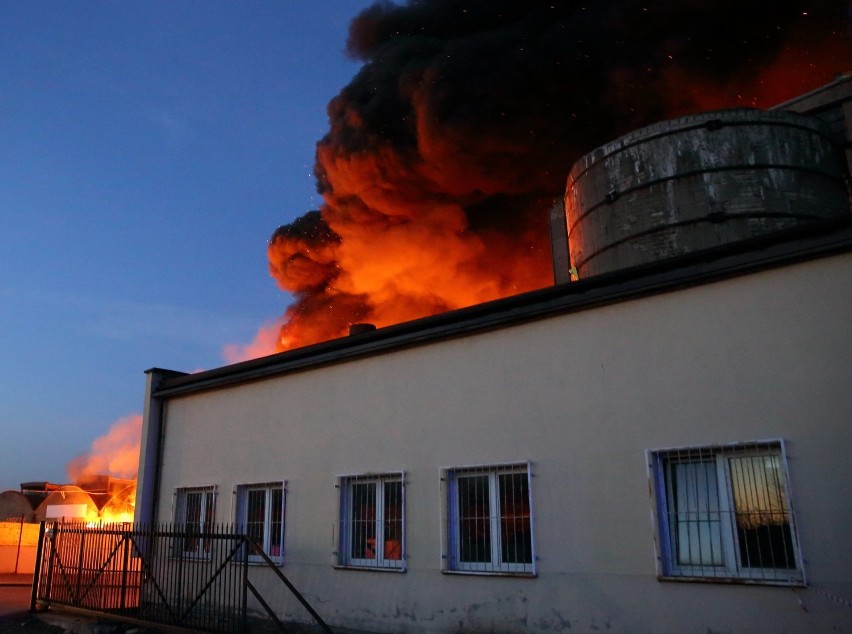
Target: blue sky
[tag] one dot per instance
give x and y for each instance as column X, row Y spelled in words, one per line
column 147, row 152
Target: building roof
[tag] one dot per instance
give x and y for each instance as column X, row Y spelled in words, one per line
column 712, row 265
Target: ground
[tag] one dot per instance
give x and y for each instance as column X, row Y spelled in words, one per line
column 26, row 622
column 15, row 597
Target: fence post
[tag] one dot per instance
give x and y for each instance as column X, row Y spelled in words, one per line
column 124, row 570
column 244, row 606
column 80, row 564
column 53, row 545
column 38, row 565
column 177, row 547
column 20, row 537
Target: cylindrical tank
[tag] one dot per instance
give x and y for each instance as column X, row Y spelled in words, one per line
column 699, row 182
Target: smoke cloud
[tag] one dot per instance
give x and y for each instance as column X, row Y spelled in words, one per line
column 116, row 453
column 447, row 149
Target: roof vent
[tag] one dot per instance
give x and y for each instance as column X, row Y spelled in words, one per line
column 360, row 329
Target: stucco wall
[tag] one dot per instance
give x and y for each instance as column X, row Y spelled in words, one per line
column 18, row 545
column 582, row 396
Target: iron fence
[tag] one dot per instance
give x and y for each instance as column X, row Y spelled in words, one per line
column 165, row 574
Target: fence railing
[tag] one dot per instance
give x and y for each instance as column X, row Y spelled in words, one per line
column 165, row 574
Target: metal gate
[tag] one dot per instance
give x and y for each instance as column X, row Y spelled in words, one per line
column 143, row 573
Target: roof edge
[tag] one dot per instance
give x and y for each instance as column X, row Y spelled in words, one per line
column 748, row 256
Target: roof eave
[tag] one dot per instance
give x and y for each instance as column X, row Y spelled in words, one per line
column 690, row 270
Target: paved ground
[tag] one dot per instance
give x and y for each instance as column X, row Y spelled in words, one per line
column 13, row 599
column 15, row 596
column 15, row 592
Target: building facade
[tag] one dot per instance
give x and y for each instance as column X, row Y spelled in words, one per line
column 663, row 448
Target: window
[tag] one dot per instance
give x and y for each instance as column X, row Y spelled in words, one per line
column 371, row 521
column 724, row 513
column 195, row 509
column 260, row 513
column 489, row 520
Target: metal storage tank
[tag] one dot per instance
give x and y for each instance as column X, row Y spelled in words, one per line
column 699, row 182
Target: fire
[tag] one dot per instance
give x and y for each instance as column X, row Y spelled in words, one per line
column 388, row 270
column 108, row 472
column 116, row 453
column 448, row 148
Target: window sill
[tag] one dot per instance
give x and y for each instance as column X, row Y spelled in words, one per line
column 738, row 581
column 490, row 573
column 368, row 568
column 279, row 563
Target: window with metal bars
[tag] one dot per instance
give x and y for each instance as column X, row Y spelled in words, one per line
column 724, row 513
column 260, row 513
column 489, row 519
column 195, row 510
column 372, row 530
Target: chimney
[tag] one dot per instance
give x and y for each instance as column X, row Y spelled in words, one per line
column 359, row 329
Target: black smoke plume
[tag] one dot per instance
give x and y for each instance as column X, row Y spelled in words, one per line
column 446, row 149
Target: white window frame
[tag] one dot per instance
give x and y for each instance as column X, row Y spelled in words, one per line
column 383, row 559
column 242, row 492
column 207, row 513
column 710, row 524
column 452, row 529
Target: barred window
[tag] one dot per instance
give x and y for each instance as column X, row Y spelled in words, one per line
column 260, row 513
column 724, row 513
column 372, row 531
column 195, row 510
column 489, row 519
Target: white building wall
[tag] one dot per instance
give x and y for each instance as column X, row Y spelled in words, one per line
column 582, row 396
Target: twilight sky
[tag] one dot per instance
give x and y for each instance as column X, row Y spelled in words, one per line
column 148, row 152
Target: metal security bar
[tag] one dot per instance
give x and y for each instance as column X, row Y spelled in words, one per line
column 372, row 530
column 260, row 512
column 724, row 512
column 143, row 573
column 195, row 510
column 489, row 520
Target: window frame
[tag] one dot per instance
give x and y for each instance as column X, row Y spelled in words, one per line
column 344, row 556
column 242, row 493
column 718, row 460
column 206, row 517
column 451, row 532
